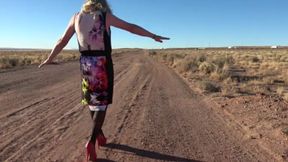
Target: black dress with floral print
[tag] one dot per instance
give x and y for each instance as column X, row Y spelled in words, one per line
column 97, row 68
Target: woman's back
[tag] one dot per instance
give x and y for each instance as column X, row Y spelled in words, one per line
column 90, row 28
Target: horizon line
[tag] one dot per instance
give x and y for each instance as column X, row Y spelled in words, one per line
column 195, row 47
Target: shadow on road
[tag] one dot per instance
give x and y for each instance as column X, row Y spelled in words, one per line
column 148, row 154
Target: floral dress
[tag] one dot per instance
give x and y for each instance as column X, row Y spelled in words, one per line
column 94, row 80
column 95, row 61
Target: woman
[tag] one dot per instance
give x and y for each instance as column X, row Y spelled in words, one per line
column 92, row 26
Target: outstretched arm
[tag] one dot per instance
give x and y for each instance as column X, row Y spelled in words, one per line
column 112, row 20
column 61, row 43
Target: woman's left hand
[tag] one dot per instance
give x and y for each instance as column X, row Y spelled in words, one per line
column 46, row 62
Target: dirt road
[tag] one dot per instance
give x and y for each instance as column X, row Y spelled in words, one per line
column 155, row 117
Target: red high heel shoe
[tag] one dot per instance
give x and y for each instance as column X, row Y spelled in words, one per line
column 91, row 152
column 101, row 139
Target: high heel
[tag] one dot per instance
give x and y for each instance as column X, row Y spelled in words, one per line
column 101, row 139
column 90, row 152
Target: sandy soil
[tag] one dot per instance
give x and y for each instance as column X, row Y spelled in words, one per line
column 155, row 116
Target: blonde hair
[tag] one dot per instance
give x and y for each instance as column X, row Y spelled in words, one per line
column 96, row 5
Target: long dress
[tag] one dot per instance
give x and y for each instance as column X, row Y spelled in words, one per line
column 96, row 64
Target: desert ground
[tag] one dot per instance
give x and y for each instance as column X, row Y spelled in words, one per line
column 160, row 112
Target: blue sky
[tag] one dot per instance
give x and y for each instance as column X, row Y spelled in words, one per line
column 189, row 23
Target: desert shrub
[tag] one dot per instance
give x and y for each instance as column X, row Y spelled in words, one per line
column 3, row 60
column 280, row 91
column 277, row 58
column 229, row 90
column 75, row 57
column 4, row 63
column 25, row 61
column 208, row 86
column 168, row 58
column 186, row 65
column 215, row 76
column 201, row 58
column 164, row 56
column 59, row 57
column 13, row 61
column 283, row 59
column 179, row 56
column 259, row 89
column 255, row 59
column 152, row 53
column 173, row 58
column 285, row 130
column 219, row 75
column 220, row 61
column 224, row 72
column 206, row 67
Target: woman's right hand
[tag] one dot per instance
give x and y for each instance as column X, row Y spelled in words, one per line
column 159, row 38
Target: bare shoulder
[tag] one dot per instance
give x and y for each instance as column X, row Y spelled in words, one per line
column 108, row 18
column 74, row 18
column 76, row 15
column 109, row 15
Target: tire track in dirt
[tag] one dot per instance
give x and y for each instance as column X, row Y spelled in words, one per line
column 130, row 106
column 13, row 113
column 240, row 131
column 33, row 121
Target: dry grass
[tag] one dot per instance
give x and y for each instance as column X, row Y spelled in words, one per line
column 9, row 59
column 231, row 71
